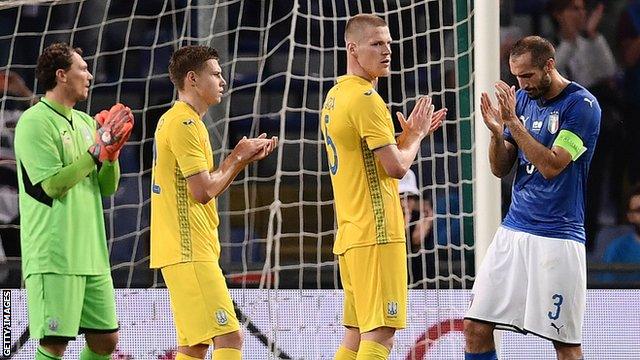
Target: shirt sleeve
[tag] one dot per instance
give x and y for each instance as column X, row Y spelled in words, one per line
column 372, row 120
column 36, row 149
column 580, row 126
column 187, row 147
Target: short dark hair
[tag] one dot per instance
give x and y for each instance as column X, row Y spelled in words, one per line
column 189, row 58
column 55, row 56
column 540, row 49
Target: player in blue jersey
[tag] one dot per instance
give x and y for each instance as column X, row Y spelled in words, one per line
column 533, row 278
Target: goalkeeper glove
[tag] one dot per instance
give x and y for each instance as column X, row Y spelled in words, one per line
column 114, row 129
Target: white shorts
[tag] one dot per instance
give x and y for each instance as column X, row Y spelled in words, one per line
column 532, row 284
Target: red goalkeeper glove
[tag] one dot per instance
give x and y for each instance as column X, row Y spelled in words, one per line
column 114, row 129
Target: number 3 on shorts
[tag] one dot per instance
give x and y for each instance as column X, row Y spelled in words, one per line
column 554, row 315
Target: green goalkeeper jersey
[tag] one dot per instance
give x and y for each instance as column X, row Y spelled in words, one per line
column 64, row 235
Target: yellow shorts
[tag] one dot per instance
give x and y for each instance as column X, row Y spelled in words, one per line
column 201, row 304
column 374, row 279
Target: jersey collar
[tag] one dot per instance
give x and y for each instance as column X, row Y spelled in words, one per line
column 355, row 78
column 188, row 108
column 59, row 108
column 571, row 87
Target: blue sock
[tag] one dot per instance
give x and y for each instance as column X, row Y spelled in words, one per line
column 489, row 355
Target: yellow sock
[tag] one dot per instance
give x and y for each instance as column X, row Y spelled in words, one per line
column 371, row 350
column 345, row 354
column 181, row 356
column 226, row 354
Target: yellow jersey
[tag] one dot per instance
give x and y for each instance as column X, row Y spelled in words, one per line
column 182, row 229
column 355, row 121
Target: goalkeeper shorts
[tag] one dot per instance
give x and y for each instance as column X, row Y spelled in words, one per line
column 532, row 284
column 200, row 301
column 374, row 279
column 66, row 305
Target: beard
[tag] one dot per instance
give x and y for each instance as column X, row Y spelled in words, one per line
column 543, row 87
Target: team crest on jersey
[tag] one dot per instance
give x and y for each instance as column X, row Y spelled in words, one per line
column 392, row 308
column 66, row 137
column 554, row 122
column 53, row 324
column 221, row 317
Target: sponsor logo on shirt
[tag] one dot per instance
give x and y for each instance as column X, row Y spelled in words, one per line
column 589, row 101
column 188, row 122
column 554, row 122
column 369, row 92
column 537, row 125
column 530, row 168
column 524, row 119
column 556, row 327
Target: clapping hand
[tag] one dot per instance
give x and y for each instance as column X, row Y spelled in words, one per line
column 506, row 96
column 423, row 120
column 114, row 129
column 249, row 150
column 490, row 115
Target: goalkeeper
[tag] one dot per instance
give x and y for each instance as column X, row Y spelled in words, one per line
column 184, row 217
column 64, row 167
column 365, row 161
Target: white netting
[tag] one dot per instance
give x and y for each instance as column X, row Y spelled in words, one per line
column 279, row 58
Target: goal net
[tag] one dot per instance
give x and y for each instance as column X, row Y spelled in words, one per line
column 277, row 222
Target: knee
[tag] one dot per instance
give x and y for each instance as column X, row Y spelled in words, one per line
column 230, row 340
column 568, row 352
column 475, row 331
column 388, row 335
column 382, row 335
column 198, row 351
column 56, row 347
column 102, row 344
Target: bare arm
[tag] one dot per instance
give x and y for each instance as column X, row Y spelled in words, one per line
column 549, row 162
column 397, row 159
column 206, row 185
column 502, row 155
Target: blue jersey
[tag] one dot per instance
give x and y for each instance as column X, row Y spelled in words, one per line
column 554, row 208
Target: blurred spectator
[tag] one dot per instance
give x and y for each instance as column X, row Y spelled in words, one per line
column 583, row 55
column 629, row 45
column 418, row 216
column 626, row 249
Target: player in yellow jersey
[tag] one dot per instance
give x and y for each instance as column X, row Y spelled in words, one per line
column 184, row 218
column 365, row 161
